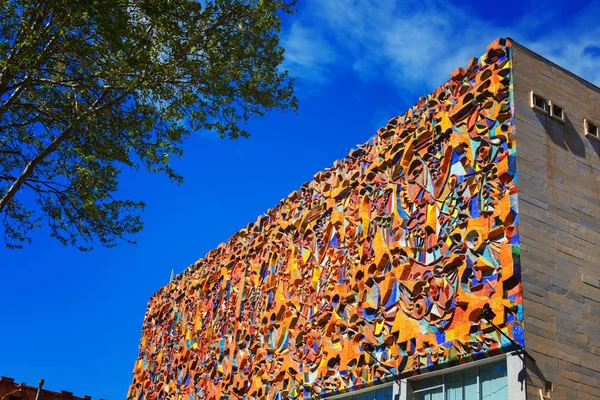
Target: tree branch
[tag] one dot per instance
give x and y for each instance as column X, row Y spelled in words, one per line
column 19, row 39
column 14, row 95
column 28, row 170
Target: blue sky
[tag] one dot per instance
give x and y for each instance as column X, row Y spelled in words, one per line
column 74, row 318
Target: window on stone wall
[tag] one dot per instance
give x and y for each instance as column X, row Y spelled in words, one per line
column 539, row 103
column 591, row 129
column 556, row 111
column 487, row 382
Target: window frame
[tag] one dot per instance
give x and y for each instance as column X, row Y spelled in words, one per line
column 551, row 106
column 533, row 104
column 588, row 133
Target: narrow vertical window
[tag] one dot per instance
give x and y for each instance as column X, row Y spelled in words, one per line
column 591, row 129
column 556, row 111
column 462, row 385
column 494, row 383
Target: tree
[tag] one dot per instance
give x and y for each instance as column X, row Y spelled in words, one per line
column 89, row 87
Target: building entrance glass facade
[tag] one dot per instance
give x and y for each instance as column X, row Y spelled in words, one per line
column 385, row 393
column 487, row 382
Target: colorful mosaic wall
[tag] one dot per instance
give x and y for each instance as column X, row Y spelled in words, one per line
column 390, row 254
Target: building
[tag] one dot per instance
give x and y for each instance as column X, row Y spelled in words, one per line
column 456, row 255
column 9, row 390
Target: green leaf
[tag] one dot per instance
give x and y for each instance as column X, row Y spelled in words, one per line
column 89, row 87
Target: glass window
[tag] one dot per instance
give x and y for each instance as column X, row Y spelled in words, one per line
column 539, row 102
column 462, row 385
column 591, row 129
column 494, row 384
column 488, row 382
column 427, row 383
column 558, row 111
column 385, row 393
column 430, row 394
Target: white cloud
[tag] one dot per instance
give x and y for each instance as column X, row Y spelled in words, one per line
column 572, row 46
column 307, row 54
column 418, row 43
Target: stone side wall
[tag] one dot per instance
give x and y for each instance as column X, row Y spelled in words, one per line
column 559, row 222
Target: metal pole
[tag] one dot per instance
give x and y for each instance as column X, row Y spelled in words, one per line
column 41, row 383
column 488, row 315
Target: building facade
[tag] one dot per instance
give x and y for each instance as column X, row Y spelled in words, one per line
column 10, row 390
column 453, row 256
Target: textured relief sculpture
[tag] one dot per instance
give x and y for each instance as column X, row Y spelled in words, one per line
column 381, row 263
